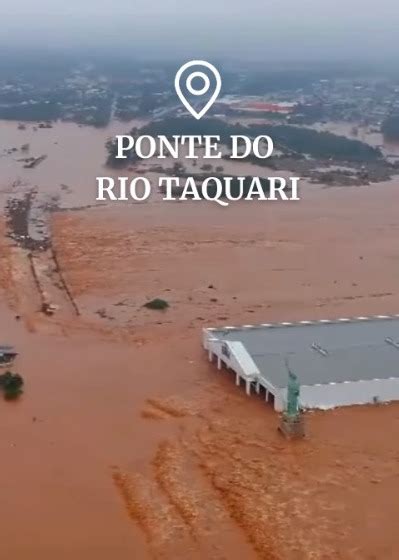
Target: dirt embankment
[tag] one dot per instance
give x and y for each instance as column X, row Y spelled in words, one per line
column 36, row 283
column 4, row 257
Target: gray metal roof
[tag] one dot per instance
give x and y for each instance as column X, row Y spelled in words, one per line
column 7, row 350
column 322, row 352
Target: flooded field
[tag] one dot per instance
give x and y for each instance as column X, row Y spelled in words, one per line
column 126, row 441
column 75, row 157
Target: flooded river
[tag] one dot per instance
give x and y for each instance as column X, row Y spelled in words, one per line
column 127, row 443
column 75, row 157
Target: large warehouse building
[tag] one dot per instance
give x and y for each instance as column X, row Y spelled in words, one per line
column 339, row 362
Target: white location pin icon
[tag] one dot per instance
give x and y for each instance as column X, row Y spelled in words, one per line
column 197, row 92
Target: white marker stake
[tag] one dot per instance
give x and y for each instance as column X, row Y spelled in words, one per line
column 207, row 84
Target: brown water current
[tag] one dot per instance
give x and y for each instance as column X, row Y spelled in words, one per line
column 127, row 443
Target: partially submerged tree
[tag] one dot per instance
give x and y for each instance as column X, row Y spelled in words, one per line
column 157, row 303
column 11, row 385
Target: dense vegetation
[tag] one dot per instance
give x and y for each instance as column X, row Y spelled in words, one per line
column 297, row 140
column 319, row 145
column 11, row 384
column 157, row 304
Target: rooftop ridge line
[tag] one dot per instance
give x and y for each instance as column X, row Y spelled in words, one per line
column 306, row 323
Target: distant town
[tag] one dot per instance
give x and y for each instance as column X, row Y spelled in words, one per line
column 95, row 92
column 333, row 125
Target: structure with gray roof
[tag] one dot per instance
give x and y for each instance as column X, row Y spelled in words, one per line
column 7, row 355
column 338, row 362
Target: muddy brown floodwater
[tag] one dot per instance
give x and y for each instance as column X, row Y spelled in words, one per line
column 126, row 442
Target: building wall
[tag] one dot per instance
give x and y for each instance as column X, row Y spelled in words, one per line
column 315, row 396
column 349, row 393
column 237, row 359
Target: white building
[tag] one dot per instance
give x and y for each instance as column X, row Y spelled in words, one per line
column 337, row 362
